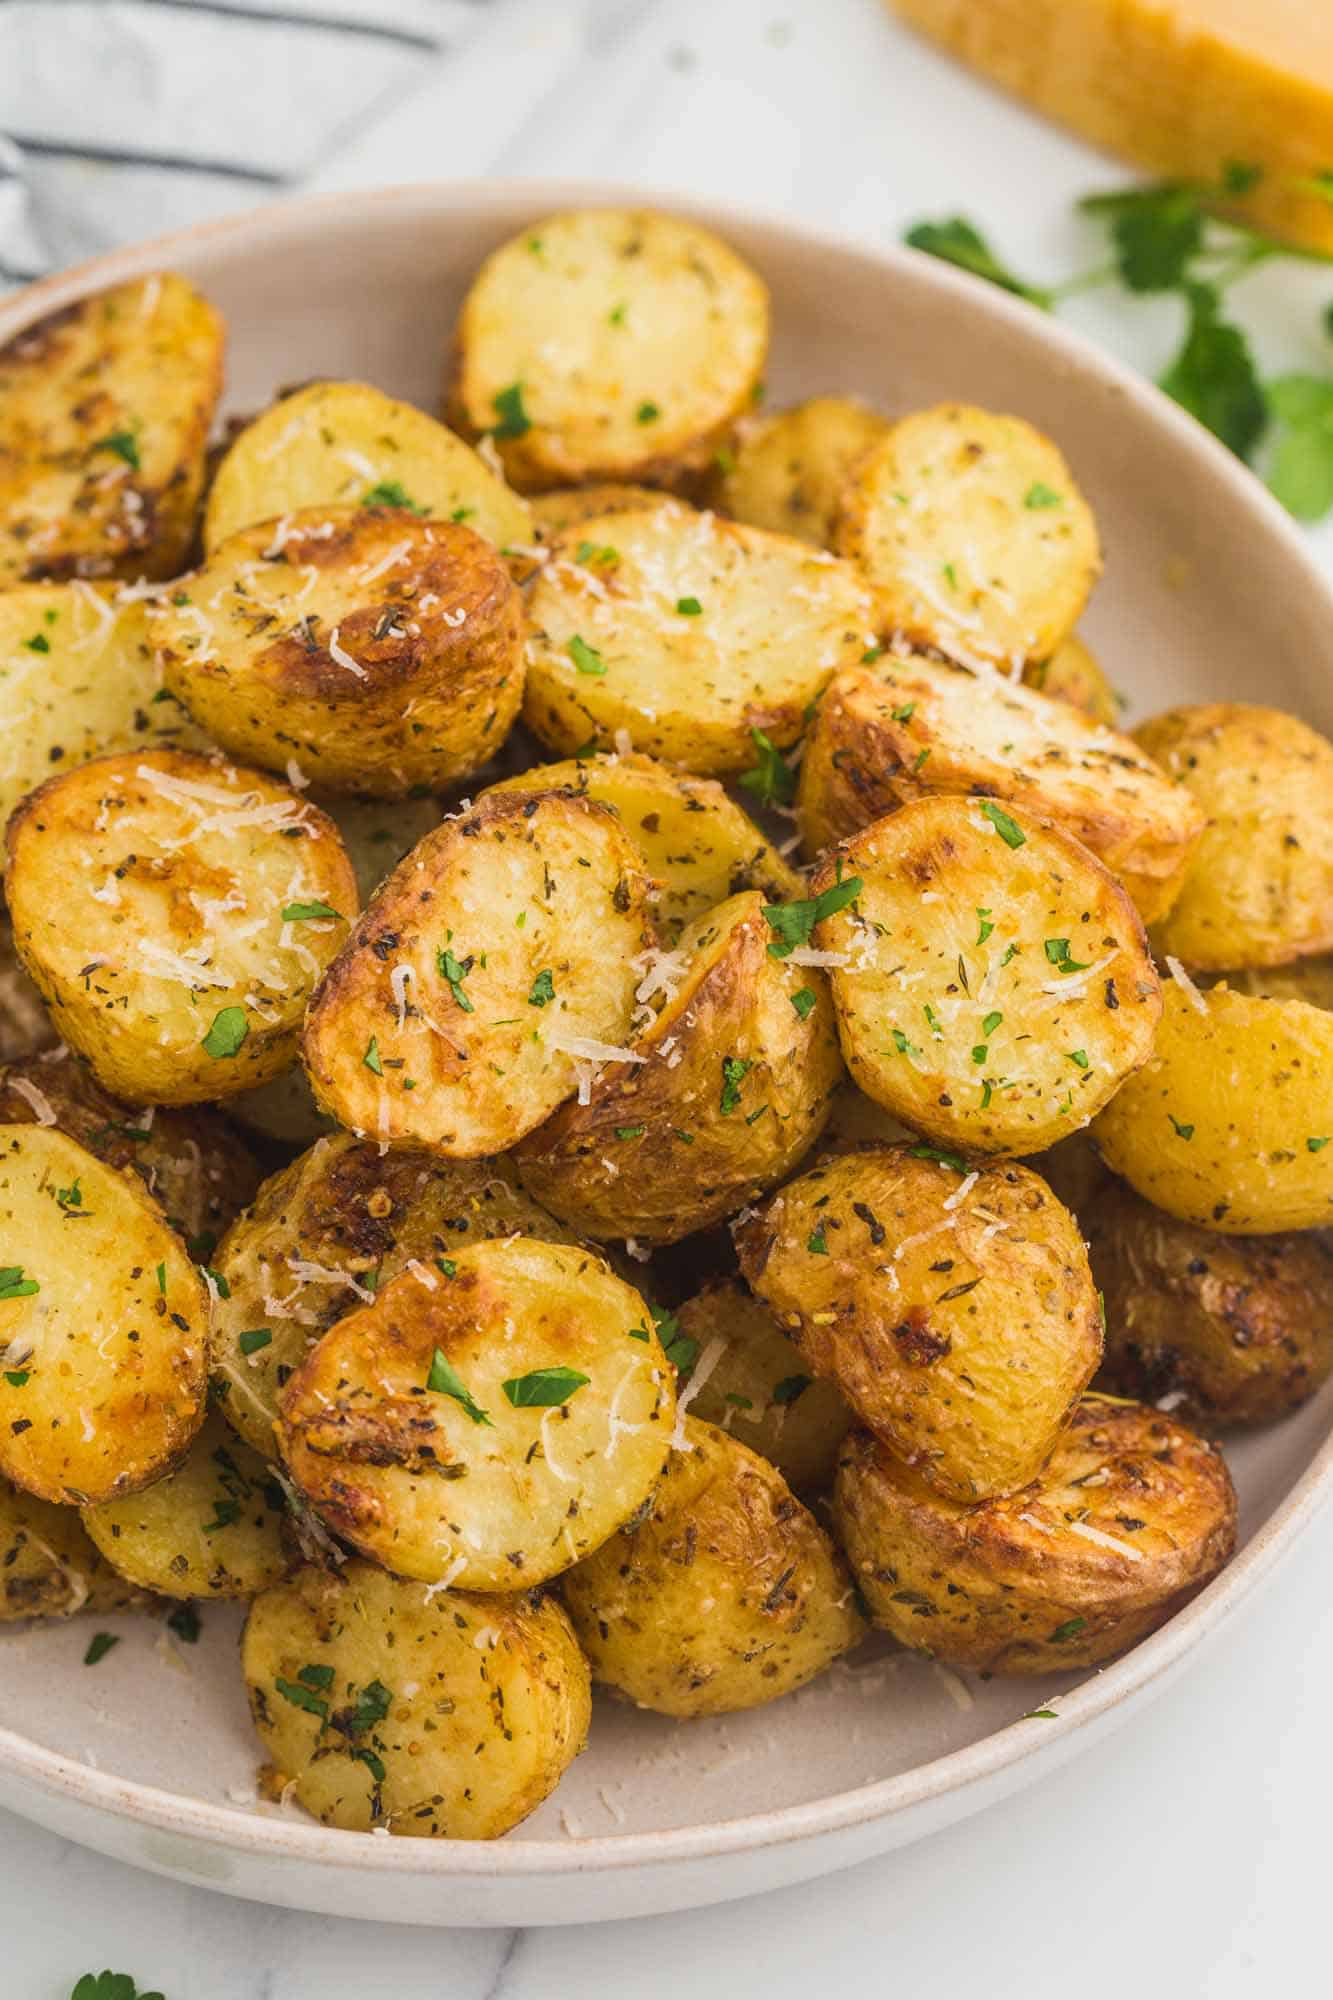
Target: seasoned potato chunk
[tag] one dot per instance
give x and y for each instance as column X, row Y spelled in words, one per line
column 25, row 1025
column 974, row 535
column 176, row 913
column 1072, row 674
column 105, row 407
column 1230, row 1125
column 725, row 1594
column 787, row 470
column 344, row 444
column 696, row 843
column 496, row 959
column 330, row 1230
column 916, row 728
column 699, row 633
column 570, row 506
column 1130, row 1519
column 48, row 1566
column 992, row 981
column 1260, row 888
column 955, row 1312
column 487, row 1419
column 103, row 1326
column 734, row 1059
column 384, row 1704
column 623, row 347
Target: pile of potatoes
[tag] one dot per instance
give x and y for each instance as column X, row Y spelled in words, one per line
column 612, row 1070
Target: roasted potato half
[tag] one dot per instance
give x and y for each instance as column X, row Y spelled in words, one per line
column 992, row 981
column 1226, row 1329
column 608, row 344
column 1260, row 888
column 496, row 959
column 25, row 1025
column 1073, row 674
column 724, row 1593
column 325, row 1234
column 1132, row 1516
column 103, row 1326
column 954, row 1310
column 383, row 1704
column 105, row 407
column 1230, row 1125
column 570, row 506
column 48, row 1566
column 974, row 535
column 176, row 912
column 787, row 470
column 697, row 844
column 914, row 728
column 344, row 444
column 488, row 1419
column 728, row 1089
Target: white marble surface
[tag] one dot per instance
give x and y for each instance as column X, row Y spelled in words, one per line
column 1186, row 1854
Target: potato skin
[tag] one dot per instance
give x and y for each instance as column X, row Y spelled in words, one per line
column 1073, row 674
column 722, row 1595
column 105, row 407
column 787, row 470
column 1226, row 1126
column 962, row 1345
column 1260, row 889
column 1225, row 1329
column 48, row 1566
column 256, row 644
column 680, row 1140
column 1133, row 1515
column 443, row 1715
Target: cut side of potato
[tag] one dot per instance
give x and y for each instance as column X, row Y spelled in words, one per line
column 383, row 1704
column 608, row 344
column 105, row 407
column 1133, row 1515
column 1073, row 674
column 344, row 444
column 787, row 470
column 992, row 982
column 176, row 912
column 974, row 535
column 48, row 1566
column 103, row 1326
column 495, row 961
column 698, row 633
column 736, row 1054
column 488, row 1419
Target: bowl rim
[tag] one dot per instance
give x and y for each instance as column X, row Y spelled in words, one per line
column 512, row 202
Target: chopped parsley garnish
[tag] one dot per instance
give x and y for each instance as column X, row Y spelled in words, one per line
column 790, row 1388
column 162, row 1279
column 124, row 444
column 110, row 1986
column 591, row 552
column 940, row 1157
column 13, row 1284
column 792, row 924
column 513, row 419
column 734, row 1069
column 376, row 1766
column 984, row 926
column 991, row 1023
column 647, row 413
column 390, row 493
column 99, row 1646
column 1315, row 1145
column 903, row 714
column 958, row 242
column 256, row 1337
column 310, row 913
column 453, row 971
column 227, row 1034
column 1039, row 496
column 372, row 1705
column 689, row 607
column 904, row 1046
column 586, row 658
column 805, row 1002
column 225, row 1515
column 1181, row 1131
column 1069, row 1630
column 220, row 1284
column 1057, row 952
column 816, row 1242
column 17, row 1377
column 302, row 1697
column 371, row 1059
column 543, row 1388
column 626, row 1132
column 70, row 1198
column 1079, row 1057
column 772, row 780
column 1009, row 831
column 186, row 1624
column 445, row 1381
column 39, row 643
column 950, row 575
column 543, row 989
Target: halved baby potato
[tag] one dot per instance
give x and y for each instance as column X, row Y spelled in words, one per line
column 915, row 728
column 105, row 408
column 608, row 344
column 497, row 958
column 787, row 470
column 488, row 1419
column 699, row 633
column 974, row 535
column 954, row 1309
column 728, row 1088
column 48, row 1566
column 386, row 1704
column 1073, row 674
column 176, row 912
column 103, row 1326
column 725, row 1594
column 992, row 982
column 1133, row 1515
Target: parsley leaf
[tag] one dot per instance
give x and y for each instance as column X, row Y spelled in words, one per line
column 804, row 1002
column 1010, row 832
column 99, row 1646
column 792, row 924
column 1156, row 231
column 1040, row 495
column 733, row 1071
column 371, row 1059
column 257, row 1337
column 586, row 658
column 1301, row 470
column 543, row 1388
column 514, row 421
column 772, row 780
column 302, row 1697
column 689, row 607
column 13, row 1284
column 109, row 1986
column 543, row 989
column 124, row 444
column 309, row 913
column 453, row 971
column 228, row 1032
column 390, row 493
column 957, row 241
column 1213, row 376
column 445, row 1381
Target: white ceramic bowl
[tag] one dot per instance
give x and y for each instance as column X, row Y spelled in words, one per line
column 1208, row 591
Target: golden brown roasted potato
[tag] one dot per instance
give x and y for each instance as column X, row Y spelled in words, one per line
column 344, row 444
column 992, row 981
column 1260, row 888
column 954, row 1310
column 1133, row 1515
column 103, row 1326
column 488, row 1419
column 25, row 1025
column 386, row 1704
column 608, row 344
column 723, row 1595
column 176, row 913
column 787, row 470
column 974, row 535
column 570, row 506
column 105, row 407
column 699, row 633
column 48, row 1566
column 1230, row 1125
column 906, row 729
column 495, row 960
column 1073, row 674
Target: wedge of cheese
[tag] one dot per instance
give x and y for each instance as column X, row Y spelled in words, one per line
column 1176, row 86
